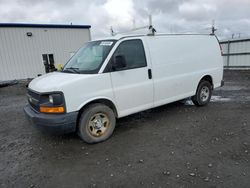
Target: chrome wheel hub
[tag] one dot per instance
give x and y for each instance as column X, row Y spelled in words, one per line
column 98, row 124
column 204, row 93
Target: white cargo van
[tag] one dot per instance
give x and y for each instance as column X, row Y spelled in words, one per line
column 119, row 76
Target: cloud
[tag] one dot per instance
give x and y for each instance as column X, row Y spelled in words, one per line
column 168, row 15
column 196, row 11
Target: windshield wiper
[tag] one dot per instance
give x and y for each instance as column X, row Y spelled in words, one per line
column 72, row 69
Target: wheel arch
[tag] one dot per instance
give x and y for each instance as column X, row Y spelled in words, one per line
column 208, row 78
column 101, row 100
column 195, row 99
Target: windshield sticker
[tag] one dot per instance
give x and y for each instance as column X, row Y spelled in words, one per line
column 106, row 43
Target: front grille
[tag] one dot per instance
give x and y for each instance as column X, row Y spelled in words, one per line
column 33, row 99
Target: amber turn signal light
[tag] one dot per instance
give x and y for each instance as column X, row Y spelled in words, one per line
column 46, row 109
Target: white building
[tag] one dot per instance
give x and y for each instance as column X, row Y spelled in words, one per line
column 25, row 49
column 236, row 52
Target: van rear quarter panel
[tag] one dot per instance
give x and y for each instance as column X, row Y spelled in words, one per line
column 180, row 61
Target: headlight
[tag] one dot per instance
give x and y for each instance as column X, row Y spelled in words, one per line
column 51, row 99
column 52, row 103
column 56, row 99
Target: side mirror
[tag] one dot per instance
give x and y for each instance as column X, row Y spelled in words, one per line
column 119, row 62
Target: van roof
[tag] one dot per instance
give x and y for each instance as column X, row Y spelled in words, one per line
column 121, row 36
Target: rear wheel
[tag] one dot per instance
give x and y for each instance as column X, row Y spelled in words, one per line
column 96, row 124
column 203, row 93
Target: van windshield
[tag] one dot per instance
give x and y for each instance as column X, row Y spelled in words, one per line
column 89, row 58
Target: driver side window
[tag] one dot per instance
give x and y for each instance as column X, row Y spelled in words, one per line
column 133, row 52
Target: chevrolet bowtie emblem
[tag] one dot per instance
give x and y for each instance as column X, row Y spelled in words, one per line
column 30, row 99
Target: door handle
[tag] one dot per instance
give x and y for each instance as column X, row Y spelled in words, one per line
column 149, row 74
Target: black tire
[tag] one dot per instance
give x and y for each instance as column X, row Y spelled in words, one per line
column 93, row 125
column 203, row 93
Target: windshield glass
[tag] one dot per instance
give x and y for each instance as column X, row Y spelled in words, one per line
column 89, row 58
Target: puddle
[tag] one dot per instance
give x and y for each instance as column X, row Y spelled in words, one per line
column 188, row 103
column 219, row 99
column 232, row 88
column 213, row 99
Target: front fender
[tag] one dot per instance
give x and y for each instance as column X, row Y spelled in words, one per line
column 91, row 100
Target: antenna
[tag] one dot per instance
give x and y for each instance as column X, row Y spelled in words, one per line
column 213, row 28
column 150, row 27
column 150, row 19
column 112, row 31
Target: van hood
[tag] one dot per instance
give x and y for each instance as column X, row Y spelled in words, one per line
column 55, row 81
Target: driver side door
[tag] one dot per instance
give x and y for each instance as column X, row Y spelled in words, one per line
column 132, row 84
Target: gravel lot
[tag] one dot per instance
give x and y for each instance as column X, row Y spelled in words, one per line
column 176, row 145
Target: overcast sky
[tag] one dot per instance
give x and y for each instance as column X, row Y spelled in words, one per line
column 169, row 16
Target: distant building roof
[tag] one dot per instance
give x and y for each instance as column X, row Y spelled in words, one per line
column 235, row 40
column 43, row 25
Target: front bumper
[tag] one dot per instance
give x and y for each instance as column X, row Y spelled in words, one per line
column 52, row 123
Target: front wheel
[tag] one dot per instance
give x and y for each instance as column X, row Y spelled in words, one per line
column 203, row 93
column 96, row 124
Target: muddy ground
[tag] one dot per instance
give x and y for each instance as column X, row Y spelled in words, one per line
column 176, row 145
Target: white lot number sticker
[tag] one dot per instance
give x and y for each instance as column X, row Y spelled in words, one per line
column 106, row 43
